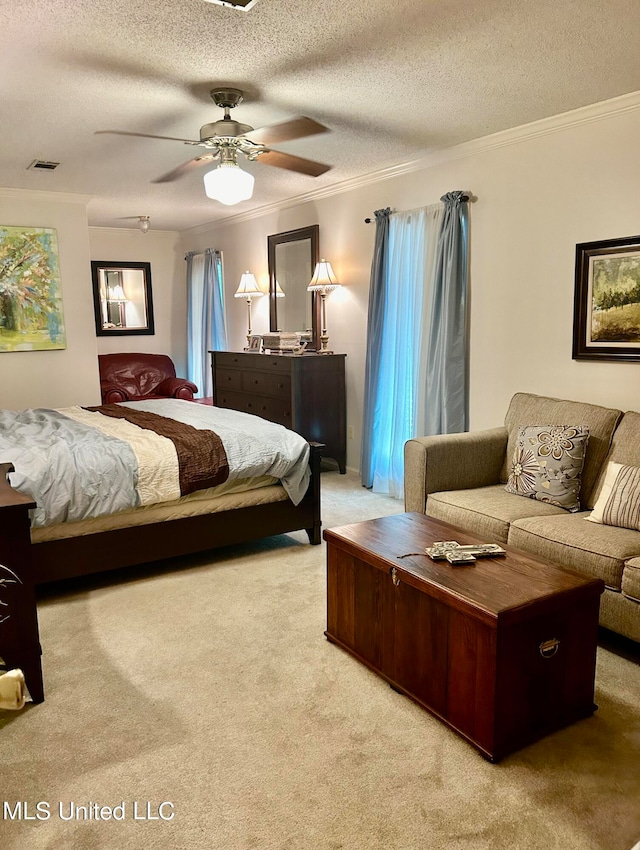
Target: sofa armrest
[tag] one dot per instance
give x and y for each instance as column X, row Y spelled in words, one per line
column 113, row 395
column 177, row 388
column 451, row 462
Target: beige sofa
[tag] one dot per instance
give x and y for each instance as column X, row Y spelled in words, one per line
column 460, row 478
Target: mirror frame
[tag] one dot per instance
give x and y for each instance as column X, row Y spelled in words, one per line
column 313, row 234
column 101, row 265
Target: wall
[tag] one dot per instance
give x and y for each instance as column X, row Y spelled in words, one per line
column 540, row 190
column 163, row 250
column 66, row 376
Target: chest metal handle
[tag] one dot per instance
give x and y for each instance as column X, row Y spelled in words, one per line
column 548, row 648
column 394, row 577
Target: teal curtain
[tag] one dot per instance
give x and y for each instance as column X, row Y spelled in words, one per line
column 375, row 323
column 446, row 398
column 206, row 319
column 416, row 336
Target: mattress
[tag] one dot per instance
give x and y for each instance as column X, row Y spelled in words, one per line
column 224, row 497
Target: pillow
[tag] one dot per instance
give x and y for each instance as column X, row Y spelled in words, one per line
column 619, row 500
column 547, row 464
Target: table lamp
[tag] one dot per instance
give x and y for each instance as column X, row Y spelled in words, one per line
column 323, row 281
column 249, row 289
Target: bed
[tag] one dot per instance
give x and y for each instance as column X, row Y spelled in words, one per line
column 183, row 495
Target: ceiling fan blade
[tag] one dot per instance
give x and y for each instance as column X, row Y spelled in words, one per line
column 293, row 163
column 185, row 168
column 144, row 136
column 297, row 128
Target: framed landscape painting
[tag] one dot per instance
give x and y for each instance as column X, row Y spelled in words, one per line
column 606, row 318
column 31, row 317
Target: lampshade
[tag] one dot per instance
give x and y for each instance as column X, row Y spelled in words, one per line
column 228, row 183
column 279, row 291
column 324, row 279
column 248, row 287
column 115, row 294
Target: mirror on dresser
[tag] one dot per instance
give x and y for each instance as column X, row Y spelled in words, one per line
column 292, row 259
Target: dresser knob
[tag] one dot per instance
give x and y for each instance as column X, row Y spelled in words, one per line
column 249, row 404
column 256, row 381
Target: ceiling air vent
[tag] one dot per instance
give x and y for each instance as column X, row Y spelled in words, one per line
column 42, row 165
column 245, row 5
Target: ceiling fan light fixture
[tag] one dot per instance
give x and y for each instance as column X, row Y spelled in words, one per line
column 244, row 5
column 229, row 184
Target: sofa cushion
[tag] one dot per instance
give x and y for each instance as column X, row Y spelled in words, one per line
column 625, row 447
column 631, row 579
column 547, row 463
column 486, row 511
column 599, row 551
column 528, row 409
column 619, row 500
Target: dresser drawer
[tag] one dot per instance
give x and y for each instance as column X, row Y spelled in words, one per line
column 268, row 408
column 264, row 383
column 276, row 363
column 228, row 379
column 252, row 362
column 230, row 360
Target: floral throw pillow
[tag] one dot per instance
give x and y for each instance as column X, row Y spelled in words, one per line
column 547, row 464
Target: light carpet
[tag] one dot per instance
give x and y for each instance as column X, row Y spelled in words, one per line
column 208, row 683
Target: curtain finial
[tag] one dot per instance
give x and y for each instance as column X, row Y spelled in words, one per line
column 455, row 197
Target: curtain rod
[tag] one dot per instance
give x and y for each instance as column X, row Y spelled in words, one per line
column 467, row 196
column 191, row 254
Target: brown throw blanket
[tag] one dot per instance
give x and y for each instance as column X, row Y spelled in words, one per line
column 202, row 460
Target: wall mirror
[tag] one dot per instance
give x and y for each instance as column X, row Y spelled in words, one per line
column 122, row 298
column 292, row 260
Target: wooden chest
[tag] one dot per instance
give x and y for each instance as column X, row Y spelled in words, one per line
column 503, row 651
column 305, row 393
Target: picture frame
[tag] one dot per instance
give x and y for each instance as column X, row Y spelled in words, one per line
column 606, row 316
column 122, row 298
column 31, row 312
column 255, row 342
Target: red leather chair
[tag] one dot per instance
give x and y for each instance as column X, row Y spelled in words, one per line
column 133, row 377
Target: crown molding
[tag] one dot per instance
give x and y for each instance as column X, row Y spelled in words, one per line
column 554, row 124
column 545, row 126
column 41, row 195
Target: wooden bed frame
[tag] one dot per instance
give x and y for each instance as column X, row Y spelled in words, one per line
column 40, row 563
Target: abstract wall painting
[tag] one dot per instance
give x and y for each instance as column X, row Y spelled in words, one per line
column 31, row 317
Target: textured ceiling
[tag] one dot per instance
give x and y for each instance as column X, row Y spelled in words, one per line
column 392, row 80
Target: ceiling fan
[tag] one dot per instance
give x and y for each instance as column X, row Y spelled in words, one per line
column 227, row 138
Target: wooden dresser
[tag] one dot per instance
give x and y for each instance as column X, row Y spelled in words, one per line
column 303, row 392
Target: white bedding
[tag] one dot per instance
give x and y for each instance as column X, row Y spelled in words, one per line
column 76, row 471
